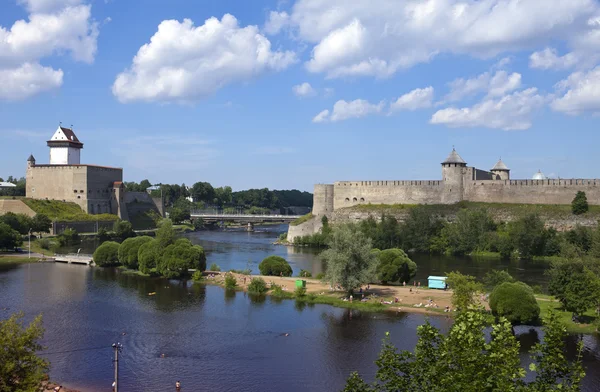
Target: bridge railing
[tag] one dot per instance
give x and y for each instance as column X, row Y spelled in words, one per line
column 242, row 215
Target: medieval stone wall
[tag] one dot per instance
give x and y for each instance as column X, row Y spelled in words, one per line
column 351, row 193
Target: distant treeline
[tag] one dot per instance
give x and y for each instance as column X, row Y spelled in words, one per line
column 205, row 193
column 19, row 190
column 471, row 232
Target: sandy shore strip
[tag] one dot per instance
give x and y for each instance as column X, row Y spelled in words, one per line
column 407, row 299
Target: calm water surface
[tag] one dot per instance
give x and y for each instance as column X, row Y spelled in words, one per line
column 214, row 340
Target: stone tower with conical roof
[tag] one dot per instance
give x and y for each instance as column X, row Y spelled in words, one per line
column 501, row 171
column 453, row 171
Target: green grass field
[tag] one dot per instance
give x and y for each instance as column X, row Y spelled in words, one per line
column 64, row 211
column 302, row 219
column 547, row 302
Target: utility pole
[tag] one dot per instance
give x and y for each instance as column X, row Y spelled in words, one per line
column 117, row 347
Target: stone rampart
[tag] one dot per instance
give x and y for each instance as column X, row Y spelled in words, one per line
column 309, row 227
column 16, row 207
column 351, row 193
column 532, row 191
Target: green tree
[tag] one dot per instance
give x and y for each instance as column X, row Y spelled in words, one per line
column 575, row 283
column 464, row 290
column 123, row 230
column 257, row 286
column 149, row 255
column 68, row 237
column 275, row 266
column 21, row 369
column 419, row 229
column 223, row 196
column 468, row 232
column 178, row 215
column 203, row 191
column 349, row 260
column 464, row 360
column 9, row 238
column 180, row 257
column 528, row 235
column 41, row 223
column 165, row 234
column 579, row 205
column 495, row 278
column 516, row 302
column 107, row 254
column 129, row 250
column 230, row 281
column 394, row 265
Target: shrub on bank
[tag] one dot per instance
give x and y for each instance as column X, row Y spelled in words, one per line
column 394, row 265
column 305, row 274
column 516, row 302
column 197, row 276
column 300, row 291
column 214, row 267
column 179, row 257
column 129, row 249
column 257, row 286
column 275, row 266
column 107, row 254
column 230, row 281
column 149, row 254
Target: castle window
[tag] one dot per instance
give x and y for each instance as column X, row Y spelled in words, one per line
column 354, row 199
column 75, row 190
column 362, row 199
column 347, row 199
column 79, row 197
column 81, row 191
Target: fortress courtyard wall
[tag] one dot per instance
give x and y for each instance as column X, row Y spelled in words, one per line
column 351, row 193
column 550, row 191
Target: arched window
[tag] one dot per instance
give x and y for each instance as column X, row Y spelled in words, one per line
column 347, row 199
column 354, row 199
column 362, row 199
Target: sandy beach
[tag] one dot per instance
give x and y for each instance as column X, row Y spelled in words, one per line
column 406, row 299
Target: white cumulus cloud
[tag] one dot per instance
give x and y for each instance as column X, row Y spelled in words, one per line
column 304, row 90
column 379, row 37
column 276, row 22
column 54, row 27
column 510, row 112
column 185, row 63
column 416, row 99
column 497, row 85
column 343, row 110
column 28, row 80
column 580, row 93
column 549, row 59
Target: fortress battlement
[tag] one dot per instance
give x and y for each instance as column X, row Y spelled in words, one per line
column 459, row 182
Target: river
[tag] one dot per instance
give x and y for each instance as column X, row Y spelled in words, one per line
column 219, row 341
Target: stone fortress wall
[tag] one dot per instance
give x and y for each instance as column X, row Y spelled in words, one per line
column 458, row 183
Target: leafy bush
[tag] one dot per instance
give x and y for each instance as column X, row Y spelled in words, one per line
column 246, row 271
column 45, row 243
column 214, row 267
column 320, row 276
column 277, row 291
column 123, row 230
column 464, row 289
column 305, row 274
column 300, row 291
column 495, row 278
column 579, row 205
column 257, row 286
column 107, row 254
column 230, row 281
column 275, row 266
column 149, row 254
column 9, row 238
column 68, row 237
column 179, row 257
column 394, row 265
column 129, row 249
column 516, row 302
column 197, row 276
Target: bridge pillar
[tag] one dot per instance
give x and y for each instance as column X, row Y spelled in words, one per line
column 250, row 226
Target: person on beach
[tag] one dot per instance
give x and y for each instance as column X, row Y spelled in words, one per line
column 177, row 386
column 114, row 384
column 404, row 283
column 350, row 297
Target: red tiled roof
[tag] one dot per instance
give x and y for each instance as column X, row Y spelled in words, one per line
column 71, row 137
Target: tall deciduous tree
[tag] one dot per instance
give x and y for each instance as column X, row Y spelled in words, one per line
column 464, row 290
column 464, row 360
column 576, row 284
column 41, row 223
column 350, row 262
column 20, row 367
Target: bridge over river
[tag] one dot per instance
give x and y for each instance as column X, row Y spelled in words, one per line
column 250, row 219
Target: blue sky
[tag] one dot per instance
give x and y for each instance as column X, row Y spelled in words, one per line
column 285, row 94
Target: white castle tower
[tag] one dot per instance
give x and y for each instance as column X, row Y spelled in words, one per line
column 65, row 148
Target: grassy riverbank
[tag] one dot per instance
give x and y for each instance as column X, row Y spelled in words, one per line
column 318, row 293
column 9, row 259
